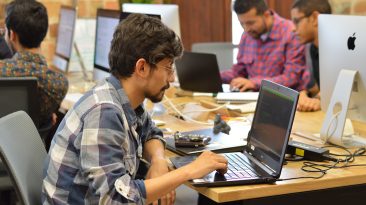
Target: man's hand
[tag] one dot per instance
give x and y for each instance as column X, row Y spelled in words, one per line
column 206, row 163
column 307, row 104
column 242, row 84
column 158, row 168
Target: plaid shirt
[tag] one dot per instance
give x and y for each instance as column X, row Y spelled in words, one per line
column 52, row 86
column 278, row 57
column 96, row 151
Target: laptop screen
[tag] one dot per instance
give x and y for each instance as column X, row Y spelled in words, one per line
column 272, row 124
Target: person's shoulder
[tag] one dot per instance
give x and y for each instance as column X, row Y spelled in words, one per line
column 286, row 26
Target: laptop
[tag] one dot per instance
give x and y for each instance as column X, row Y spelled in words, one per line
column 262, row 158
column 199, row 72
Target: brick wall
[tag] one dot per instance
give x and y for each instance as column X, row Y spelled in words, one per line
column 86, row 9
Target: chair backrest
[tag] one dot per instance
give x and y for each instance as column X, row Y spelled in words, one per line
column 23, row 153
column 224, row 52
column 20, row 93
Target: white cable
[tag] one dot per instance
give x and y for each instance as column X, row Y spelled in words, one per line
column 327, row 135
column 183, row 115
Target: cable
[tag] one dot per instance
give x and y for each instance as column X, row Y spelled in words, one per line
column 334, row 117
column 324, row 168
column 183, row 115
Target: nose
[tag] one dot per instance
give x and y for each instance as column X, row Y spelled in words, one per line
column 171, row 78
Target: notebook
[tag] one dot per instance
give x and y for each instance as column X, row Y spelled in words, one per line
column 262, row 158
column 199, row 72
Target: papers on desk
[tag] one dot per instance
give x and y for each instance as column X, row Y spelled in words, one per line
column 237, row 97
column 243, row 108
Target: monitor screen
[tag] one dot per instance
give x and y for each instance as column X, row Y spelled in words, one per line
column 342, row 45
column 169, row 13
column 65, row 33
column 107, row 21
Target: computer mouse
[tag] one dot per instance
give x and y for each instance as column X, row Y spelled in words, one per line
column 234, row 89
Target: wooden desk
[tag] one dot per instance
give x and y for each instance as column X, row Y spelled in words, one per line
column 338, row 186
column 336, row 181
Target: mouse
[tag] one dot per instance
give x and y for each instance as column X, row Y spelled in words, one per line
column 234, row 89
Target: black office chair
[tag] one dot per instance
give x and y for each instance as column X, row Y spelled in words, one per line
column 20, row 93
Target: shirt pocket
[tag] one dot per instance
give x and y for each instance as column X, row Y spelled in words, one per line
column 130, row 164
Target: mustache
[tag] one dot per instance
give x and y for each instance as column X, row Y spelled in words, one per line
column 167, row 86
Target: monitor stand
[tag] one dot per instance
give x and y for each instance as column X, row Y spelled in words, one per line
column 333, row 127
column 81, row 61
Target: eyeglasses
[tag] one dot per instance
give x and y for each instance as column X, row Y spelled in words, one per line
column 170, row 69
column 298, row 20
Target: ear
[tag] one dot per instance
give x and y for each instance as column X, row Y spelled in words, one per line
column 267, row 13
column 314, row 18
column 13, row 36
column 142, row 68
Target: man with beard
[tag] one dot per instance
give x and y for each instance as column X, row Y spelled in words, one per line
column 304, row 14
column 268, row 50
column 96, row 151
column 26, row 24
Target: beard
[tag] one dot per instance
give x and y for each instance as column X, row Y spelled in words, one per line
column 155, row 98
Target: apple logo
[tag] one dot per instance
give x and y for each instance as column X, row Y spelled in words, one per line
column 351, row 42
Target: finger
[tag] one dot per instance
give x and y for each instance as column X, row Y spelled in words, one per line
column 221, row 167
column 173, row 196
column 155, row 202
column 163, row 200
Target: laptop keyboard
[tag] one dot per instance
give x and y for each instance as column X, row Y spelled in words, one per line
column 237, row 167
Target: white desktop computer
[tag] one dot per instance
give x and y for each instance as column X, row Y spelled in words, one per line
column 65, row 38
column 169, row 13
column 342, row 48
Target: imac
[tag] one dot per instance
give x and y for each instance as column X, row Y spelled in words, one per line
column 342, row 48
column 169, row 13
column 106, row 23
column 65, row 38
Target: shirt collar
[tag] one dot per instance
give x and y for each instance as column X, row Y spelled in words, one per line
column 273, row 33
column 131, row 114
column 27, row 56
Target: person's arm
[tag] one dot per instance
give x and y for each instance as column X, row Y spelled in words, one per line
column 294, row 66
column 108, row 157
column 204, row 164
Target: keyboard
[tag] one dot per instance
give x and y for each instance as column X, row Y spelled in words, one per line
column 238, row 168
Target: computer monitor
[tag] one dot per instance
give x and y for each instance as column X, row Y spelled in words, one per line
column 107, row 21
column 342, row 48
column 19, row 93
column 65, row 38
column 169, row 13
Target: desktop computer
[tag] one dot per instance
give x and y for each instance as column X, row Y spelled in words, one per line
column 169, row 13
column 65, row 38
column 107, row 21
column 342, row 48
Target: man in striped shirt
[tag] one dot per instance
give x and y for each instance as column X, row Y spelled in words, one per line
column 95, row 154
column 269, row 49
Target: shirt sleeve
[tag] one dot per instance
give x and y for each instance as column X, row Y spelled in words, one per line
column 239, row 69
column 294, row 66
column 153, row 132
column 108, row 157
